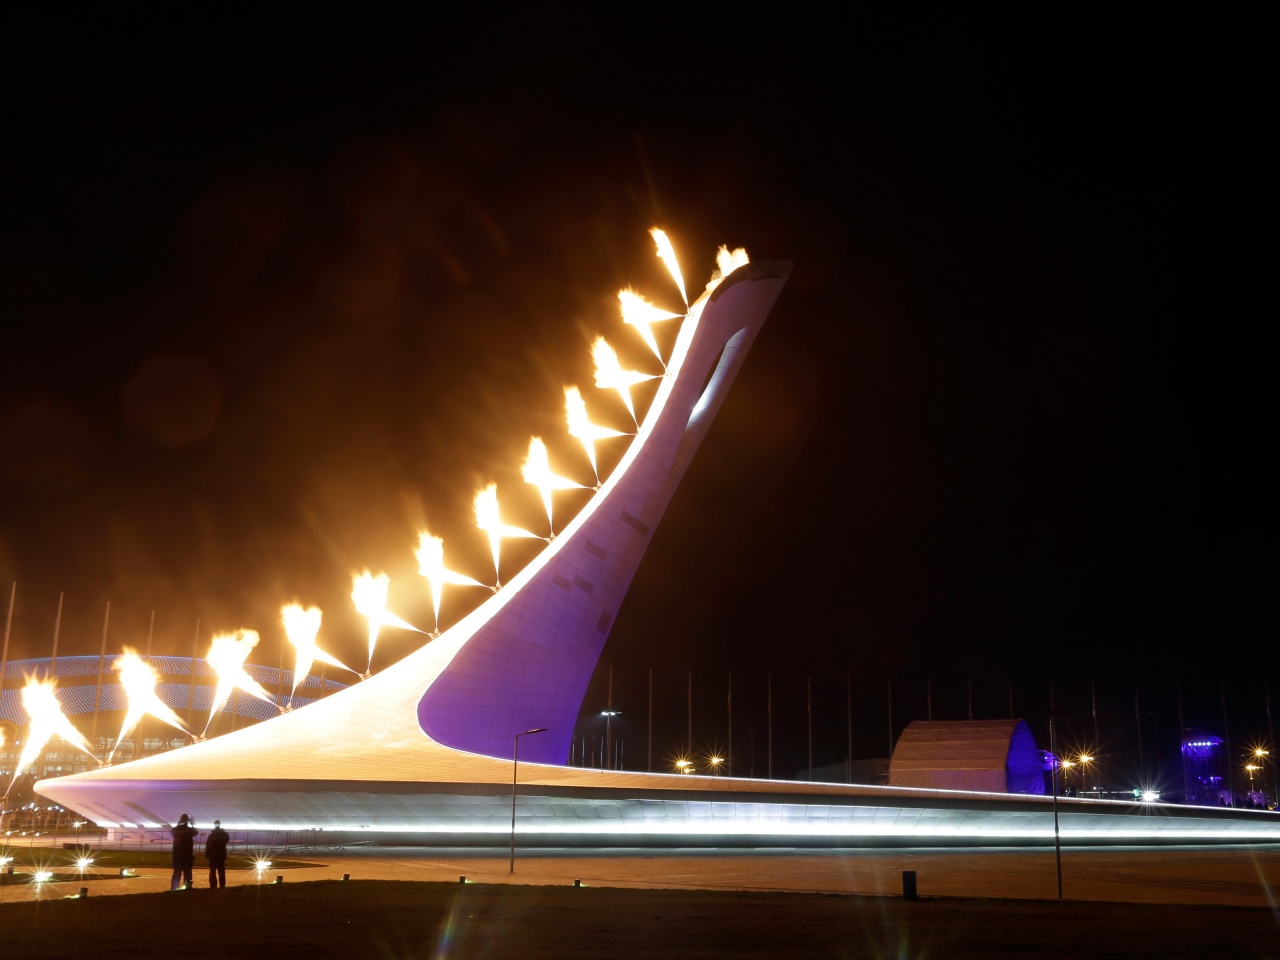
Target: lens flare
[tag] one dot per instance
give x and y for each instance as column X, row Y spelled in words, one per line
column 582, row 429
column 430, row 554
column 611, row 376
column 139, row 680
column 667, row 254
column 40, row 701
column 537, row 471
column 488, row 520
column 370, row 596
column 300, row 628
column 641, row 314
column 227, row 654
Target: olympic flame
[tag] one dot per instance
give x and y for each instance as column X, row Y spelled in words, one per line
column 430, row 555
column 47, row 720
column 300, row 628
column 370, row 596
column 227, row 654
column 667, row 254
column 488, row 520
column 537, row 471
column 611, row 376
column 139, row 680
column 642, row 314
column 583, row 429
column 728, row 261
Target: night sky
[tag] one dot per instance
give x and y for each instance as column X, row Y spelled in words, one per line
column 277, row 293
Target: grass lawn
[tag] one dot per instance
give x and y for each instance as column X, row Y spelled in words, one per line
column 395, row 919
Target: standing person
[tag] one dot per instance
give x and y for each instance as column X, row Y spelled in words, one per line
column 215, row 851
column 184, row 855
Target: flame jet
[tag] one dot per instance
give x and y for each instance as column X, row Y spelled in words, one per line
column 370, row 596
column 47, row 720
column 537, row 471
column 642, row 314
column 488, row 520
column 430, row 554
column 139, row 680
column 667, row 254
column 611, row 376
column 584, row 430
column 300, row 628
column 227, row 654
column 727, row 261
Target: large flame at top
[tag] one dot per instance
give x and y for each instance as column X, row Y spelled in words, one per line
column 301, row 628
column 488, row 520
column 139, row 680
column 47, row 721
column 582, row 429
column 370, row 596
column 611, row 376
column 642, row 314
column 227, row 654
column 430, row 554
column 727, row 261
column 667, row 254
column 537, row 471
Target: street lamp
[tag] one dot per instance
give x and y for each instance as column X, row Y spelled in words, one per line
column 608, row 715
column 515, row 767
column 715, row 764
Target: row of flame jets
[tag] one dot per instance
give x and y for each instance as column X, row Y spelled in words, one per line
column 228, row 652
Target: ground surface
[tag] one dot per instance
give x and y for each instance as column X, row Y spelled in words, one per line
column 402, row 903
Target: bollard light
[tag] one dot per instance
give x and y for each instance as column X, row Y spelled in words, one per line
column 463, row 878
column 577, row 883
column 279, row 878
column 346, row 876
column 84, row 892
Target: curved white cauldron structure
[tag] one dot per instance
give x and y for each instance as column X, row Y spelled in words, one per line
column 423, row 749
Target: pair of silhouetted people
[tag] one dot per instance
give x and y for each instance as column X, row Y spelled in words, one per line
column 215, row 852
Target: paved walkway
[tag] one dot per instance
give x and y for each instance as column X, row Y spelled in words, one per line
column 1234, row 876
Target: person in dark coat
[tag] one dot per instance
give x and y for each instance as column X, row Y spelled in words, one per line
column 184, row 854
column 215, row 851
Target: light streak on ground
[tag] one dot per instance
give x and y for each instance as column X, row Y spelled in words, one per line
column 611, row 376
column 667, row 254
column 139, row 680
column 537, row 471
column 227, row 653
column 641, row 314
column 430, row 554
column 370, row 596
column 582, row 429
column 301, row 628
column 488, row 520
column 47, row 720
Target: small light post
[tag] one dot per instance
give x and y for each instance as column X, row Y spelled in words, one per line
column 608, row 714
column 1057, row 840
column 515, row 767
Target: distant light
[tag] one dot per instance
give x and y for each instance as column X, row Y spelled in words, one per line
column 40, row 876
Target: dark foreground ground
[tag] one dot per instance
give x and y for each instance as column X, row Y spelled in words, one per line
column 407, row 919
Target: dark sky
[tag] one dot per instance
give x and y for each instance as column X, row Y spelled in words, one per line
column 277, row 292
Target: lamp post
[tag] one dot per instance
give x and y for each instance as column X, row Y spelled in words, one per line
column 609, row 713
column 515, row 767
column 1053, row 773
column 1261, row 754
